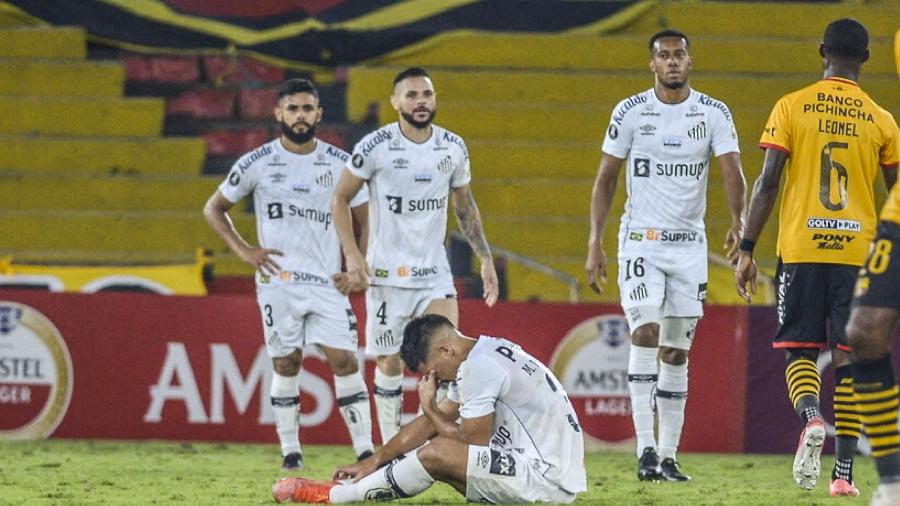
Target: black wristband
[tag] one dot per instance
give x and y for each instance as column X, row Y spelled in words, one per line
column 747, row 245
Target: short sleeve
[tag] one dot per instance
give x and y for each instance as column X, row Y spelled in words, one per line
column 361, row 197
column 889, row 155
column 240, row 182
column 724, row 134
column 480, row 385
column 617, row 141
column 777, row 134
column 362, row 165
column 462, row 173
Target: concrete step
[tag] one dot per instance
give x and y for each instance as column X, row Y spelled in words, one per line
column 67, row 42
column 20, row 77
column 89, row 117
column 102, row 155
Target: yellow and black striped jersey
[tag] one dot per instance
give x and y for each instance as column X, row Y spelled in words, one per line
column 836, row 137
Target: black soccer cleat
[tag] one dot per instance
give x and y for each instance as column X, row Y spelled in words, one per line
column 292, row 462
column 364, row 455
column 648, row 466
column 670, row 471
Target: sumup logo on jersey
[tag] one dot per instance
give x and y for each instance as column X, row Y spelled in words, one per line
column 35, row 373
column 592, row 364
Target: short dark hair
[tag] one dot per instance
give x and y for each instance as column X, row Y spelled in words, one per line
column 411, row 72
column 297, row 85
column 416, row 337
column 846, row 38
column 668, row 33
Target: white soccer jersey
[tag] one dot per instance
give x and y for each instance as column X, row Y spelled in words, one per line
column 409, row 185
column 667, row 147
column 532, row 414
column 292, row 195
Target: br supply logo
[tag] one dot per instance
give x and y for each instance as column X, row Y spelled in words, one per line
column 592, row 363
column 35, row 373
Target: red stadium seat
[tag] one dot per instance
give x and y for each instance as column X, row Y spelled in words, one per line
column 256, row 104
column 203, row 104
column 235, row 142
column 162, row 69
column 241, row 70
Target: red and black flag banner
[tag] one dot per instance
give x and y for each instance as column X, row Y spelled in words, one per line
column 320, row 33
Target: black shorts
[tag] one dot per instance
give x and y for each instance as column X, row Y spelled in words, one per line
column 813, row 303
column 879, row 279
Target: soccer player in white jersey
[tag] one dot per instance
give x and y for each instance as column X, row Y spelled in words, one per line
column 505, row 433
column 413, row 168
column 665, row 136
column 302, row 293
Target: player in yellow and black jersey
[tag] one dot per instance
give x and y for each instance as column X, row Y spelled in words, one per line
column 876, row 310
column 835, row 137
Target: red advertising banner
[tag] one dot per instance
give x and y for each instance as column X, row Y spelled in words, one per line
column 141, row 366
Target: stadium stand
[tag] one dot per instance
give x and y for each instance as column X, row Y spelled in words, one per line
column 113, row 178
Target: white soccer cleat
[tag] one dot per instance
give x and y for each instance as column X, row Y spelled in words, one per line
column 807, row 460
column 887, row 494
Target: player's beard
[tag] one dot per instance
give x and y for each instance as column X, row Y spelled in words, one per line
column 674, row 85
column 298, row 137
column 416, row 123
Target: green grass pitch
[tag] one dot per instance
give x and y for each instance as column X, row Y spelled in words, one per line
column 68, row 472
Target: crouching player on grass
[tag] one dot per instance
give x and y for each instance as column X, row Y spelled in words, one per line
column 506, row 433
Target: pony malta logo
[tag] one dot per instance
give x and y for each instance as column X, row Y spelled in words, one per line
column 35, row 373
column 592, row 364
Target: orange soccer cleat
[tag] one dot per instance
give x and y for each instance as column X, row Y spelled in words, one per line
column 839, row 487
column 301, row 490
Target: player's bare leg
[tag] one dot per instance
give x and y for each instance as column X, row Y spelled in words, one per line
column 643, row 373
column 285, row 396
column 869, row 331
column 352, row 398
column 442, row 459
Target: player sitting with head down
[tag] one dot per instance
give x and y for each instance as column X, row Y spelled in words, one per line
column 506, row 433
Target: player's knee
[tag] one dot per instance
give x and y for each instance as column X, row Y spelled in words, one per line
column 390, row 365
column 673, row 356
column 646, row 335
column 863, row 336
column 430, row 457
column 794, row 354
column 288, row 365
column 345, row 363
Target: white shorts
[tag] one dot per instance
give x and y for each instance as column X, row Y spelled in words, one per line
column 505, row 476
column 298, row 315
column 390, row 308
column 659, row 280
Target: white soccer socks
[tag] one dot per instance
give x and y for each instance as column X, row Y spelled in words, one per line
column 404, row 477
column 353, row 403
column 642, row 377
column 285, row 393
column 671, row 397
column 388, row 403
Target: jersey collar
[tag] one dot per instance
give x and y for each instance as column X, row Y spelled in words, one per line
column 842, row 80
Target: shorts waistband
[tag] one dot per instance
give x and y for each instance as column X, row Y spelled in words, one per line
column 665, row 236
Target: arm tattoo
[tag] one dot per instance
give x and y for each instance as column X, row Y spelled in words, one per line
column 470, row 223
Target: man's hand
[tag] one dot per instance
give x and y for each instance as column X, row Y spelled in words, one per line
column 745, row 273
column 732, row 239
column 342, row 282
column 596, row 267
column 428, row 390
column 489, row 282
column 261, row 259
column 357, row 272
column 356, row 471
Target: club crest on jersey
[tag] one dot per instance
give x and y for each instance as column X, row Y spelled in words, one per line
column 445, row 165
column 325, row 180
column 698, row 131
column 641, row 167
column 647, row 129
